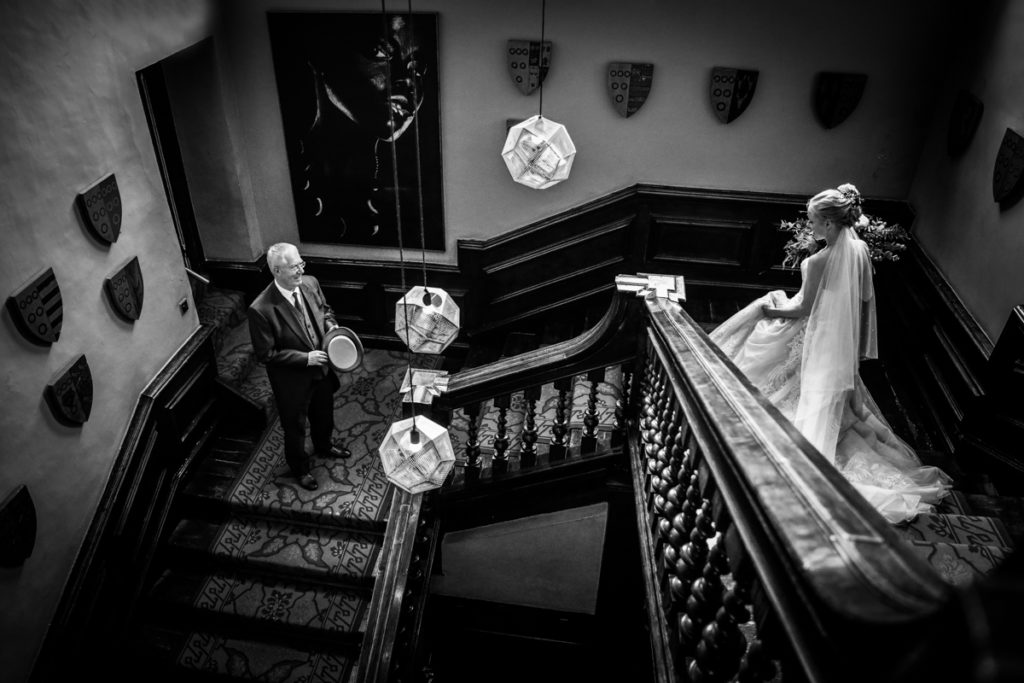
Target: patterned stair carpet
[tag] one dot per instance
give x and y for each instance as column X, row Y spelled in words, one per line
column 962, row 547
column 264, row 580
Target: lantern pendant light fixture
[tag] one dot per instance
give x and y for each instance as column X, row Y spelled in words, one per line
column 416, row 452
column 539, row 152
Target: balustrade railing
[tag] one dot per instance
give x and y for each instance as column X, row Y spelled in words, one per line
column 740, row 516
column 757, row 554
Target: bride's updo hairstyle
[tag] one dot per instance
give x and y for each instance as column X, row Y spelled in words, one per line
column 841, row 205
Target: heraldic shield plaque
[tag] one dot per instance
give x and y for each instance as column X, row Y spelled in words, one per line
column 125, row 289
column 629, row 84
column 528, row 63
column 731, row 91
column 17, row 527
column 37, row 309
column 1008, row 174
column 836, row 95
column 963, row 122
column 100, row 206
column 69, row 395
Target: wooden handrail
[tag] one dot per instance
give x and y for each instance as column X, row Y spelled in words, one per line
column 385, row 606
column 610, row 342
column 831, row 566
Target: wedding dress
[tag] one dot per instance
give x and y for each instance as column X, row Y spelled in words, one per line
column 808, row 368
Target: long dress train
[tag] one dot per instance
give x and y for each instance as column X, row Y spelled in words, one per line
column 771, row 353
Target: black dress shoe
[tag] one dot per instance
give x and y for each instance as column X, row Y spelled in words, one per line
column 307, row 482
column 335, row 452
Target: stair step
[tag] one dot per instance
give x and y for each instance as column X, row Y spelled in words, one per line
column 271, row 548
column 256, row 386
column 168, row 654
column 287, row 609
column 954, row 503
column 236, row 356
column 965, row 529
column 1009, row 510
column 957, row 563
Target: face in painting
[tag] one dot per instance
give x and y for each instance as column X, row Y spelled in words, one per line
column 359, row 87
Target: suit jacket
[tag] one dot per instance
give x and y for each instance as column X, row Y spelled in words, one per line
column 280, row 341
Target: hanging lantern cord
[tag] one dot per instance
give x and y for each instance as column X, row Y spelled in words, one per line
column 543, row 11
column 427, row 301
column 414, row 436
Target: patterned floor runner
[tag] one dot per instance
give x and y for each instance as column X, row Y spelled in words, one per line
column 275, row 524
column 354, row 489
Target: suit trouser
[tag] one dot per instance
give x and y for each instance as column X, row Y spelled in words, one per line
column 318, row 404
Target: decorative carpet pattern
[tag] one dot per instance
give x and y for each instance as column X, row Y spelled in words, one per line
column 960, row 564
column 277, row 524
column 217, row 654
column 355, row 488
column 222, row 308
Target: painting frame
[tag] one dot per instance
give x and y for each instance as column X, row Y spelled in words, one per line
column 350, row 131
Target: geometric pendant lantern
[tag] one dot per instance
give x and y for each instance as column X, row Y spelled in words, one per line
column 427, row 320
column 417, row 459
column 538, row 152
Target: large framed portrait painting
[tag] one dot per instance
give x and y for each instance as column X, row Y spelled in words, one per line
column 355, row 89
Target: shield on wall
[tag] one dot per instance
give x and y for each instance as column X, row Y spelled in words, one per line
column 100, row 206
column 528, row 63
column 731, row 91
column 836, row 95
column 69, row 395
column 125, row 289
column 17, row 527
column 1008, row 174
column 37, row 309
column 629, row 84
column 963, row 122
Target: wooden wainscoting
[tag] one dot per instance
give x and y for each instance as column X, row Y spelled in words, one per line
column 174, row 418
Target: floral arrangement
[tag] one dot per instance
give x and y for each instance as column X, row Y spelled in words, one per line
column 886, row 241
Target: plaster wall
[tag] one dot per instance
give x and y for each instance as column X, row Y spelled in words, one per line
column 979, row 247
column 70, row 112
column 675, row 139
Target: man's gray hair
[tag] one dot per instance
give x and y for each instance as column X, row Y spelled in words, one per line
column 275, row 254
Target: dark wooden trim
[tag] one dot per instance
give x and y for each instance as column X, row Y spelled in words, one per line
column 157, row 105
column 115, row 555
column 788, row 505
column 385, row 607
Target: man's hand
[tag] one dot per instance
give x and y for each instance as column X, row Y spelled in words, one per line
column 767, row 310
column 316, row 358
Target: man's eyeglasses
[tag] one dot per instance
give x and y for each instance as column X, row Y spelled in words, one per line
column 295, row 267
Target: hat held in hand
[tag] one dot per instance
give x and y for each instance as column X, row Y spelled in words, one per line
column 343, row 348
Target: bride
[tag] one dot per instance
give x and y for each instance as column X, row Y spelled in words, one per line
column 803, row 354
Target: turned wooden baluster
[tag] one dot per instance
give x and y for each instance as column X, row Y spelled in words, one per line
column 500, row 462
column 706, row 592
column 528, row 454
column 722, row 645
column 666, row 501
column 685, row 564
column 654, row 401
column 556, row 451
column 472, row 467
column 621, row 406
column 588, row 443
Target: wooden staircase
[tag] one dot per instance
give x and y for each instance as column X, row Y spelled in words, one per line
column 259, row 579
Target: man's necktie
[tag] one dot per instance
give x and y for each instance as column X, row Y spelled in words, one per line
column 310, row 330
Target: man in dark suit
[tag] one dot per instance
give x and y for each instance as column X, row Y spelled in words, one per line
column 287, row 322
